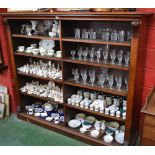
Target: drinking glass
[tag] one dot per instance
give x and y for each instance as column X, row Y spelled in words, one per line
column 92, row 34
column 101, row 79
column 74, row 72
column 77, row 77
column 85, row 53
column 84, row 34
column 127, row 58
column 114, row 36
column 92, row 54
column 92, row 76
column 118, row 79
column 113, row 56
column 105, row 53
column 80, row 53
column 77, row 33
column 84, row 75
column 111, row 80
column 121, row 36
column 98, row 54
column 73, row 52
column 120, row 57
column 129, row 36
column 126, row 81
column 107, row 35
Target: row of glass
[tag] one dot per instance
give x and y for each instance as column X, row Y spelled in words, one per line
column 92, row 54
column 104, row 34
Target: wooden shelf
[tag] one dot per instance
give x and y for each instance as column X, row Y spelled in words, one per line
column 113, row 91
column 37, row 56
column 42, row 98
column 39, row 77
column 69, row 39
column 62, row 129
column 95, row 64
column 96, row 113
column 33, row 37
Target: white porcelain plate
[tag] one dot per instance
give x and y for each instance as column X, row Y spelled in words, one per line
column 74, row 123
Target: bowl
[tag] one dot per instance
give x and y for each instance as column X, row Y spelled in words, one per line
column 122, row 128
column 43, row 115
column 49, row 119
column 86, row 124
column 80, row 116
column 94, row 133
column 74, row 123
column 35, row 51
column 21, row 48
column 113, row 125
column 108, row 138
column 90, row 119
column 37, row 114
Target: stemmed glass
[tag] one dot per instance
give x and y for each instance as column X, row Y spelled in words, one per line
column 113, row 56
column 80, row 53
column 101, row 79
column 85, row 53
column 126, row 81
column 73, row 52
column 92, row 54
column 118, row 79
column 75, row 74
column 84, row 75
column 111, row 80
column 92, row 76
column 120, row 57
column 127, row 58
column 98, row 54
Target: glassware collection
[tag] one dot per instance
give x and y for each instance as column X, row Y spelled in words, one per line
column 108, row 131
column 49, row 90
column 48, row 111
column 106, row 34
column 110, row 105
column 102, row 55
column 40, row 68
column 104, row 78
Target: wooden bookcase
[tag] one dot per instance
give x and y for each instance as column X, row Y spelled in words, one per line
column 68, row 21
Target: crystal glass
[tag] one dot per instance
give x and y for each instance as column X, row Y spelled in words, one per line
column 118, row 79
column 73, row 52
column 106, row 34
column 121, row 36
column 120, row 57
column 92, row 53
column 84, row 75
column 74, row 72
column 106, row 53
column 101, row 79
column 77, row 33
column 111, row 80
column 129, row 36
column 114, row 36
column 92, row 34
column 77, row 75
column 127, row 58
column 113, row 56
column 84, row 34
column 85, row 53
column 126, row 81
column 98, row 54
column 80, row 53
column 92, row 76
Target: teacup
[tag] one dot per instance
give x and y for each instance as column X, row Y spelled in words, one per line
column 83, row 130
column 29, row 50
column 50, row 52
column 33, row 45
column 109, row 99
column 58, row 54
column 35, row 51
column 42, row 51
column 21, row 48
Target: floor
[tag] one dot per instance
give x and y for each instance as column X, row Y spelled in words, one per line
column 15, row 132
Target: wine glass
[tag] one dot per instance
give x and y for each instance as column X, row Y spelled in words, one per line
column 118, row 79
column 120, row 57
column 80, row 53
column 77, row 33
column 92, row 76
column 98, row 54
column 114, row 36
column 101, row 79
column 84, row 75
column 113, row 56
column 73, row 52
column 74, row 72
column 92, row 54
column 121, row 36
column 111, row 80
column 85, row 53
column 127, row 58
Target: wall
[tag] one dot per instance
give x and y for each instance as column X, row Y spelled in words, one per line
column 146, row 62
column 5, row 76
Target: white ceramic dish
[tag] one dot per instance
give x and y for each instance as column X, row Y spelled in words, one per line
column 74, row 123
column 37, row 114
column 94, row 133
column 108, row 138
column 49, row 119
